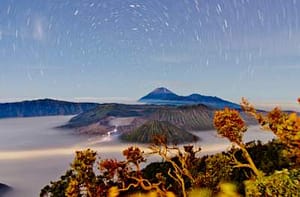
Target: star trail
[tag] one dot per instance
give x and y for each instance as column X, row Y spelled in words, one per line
column 121, row 49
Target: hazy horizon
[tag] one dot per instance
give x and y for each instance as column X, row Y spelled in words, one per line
column 265, row 105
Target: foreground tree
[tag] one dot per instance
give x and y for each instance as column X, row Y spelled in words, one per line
column 253, row 169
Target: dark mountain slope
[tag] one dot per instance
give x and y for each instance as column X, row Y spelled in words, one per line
column 4, row 189
column 111, row 109
column 147, row 132
column 192, row 117
column 198, row 117
column 43, row 107
column 100, row 120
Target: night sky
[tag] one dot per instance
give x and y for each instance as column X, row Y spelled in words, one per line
column 119, row 50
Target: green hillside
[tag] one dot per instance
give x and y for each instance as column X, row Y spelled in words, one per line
column 146, row 133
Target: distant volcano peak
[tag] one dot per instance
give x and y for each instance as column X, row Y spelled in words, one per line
column 160, row 93
column 162, row 90
column 163, row 95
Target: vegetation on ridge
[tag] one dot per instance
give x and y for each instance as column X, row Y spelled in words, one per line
column 251, row 169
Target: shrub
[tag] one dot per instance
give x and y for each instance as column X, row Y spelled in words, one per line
column 280, row 183
column 270, row 169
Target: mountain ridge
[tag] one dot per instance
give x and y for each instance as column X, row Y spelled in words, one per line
column 102, row 119
column 163, row 95
column 42, row 107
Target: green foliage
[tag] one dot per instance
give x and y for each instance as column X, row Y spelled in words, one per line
column 181, row 163
column 84, row 178
column 252, row 169
column 268, row 157
column 207, row 171
column 213, row 170
column 229, row 124
column 57, row 188
column 286, row 126
column 280, row 183
column 158, row 171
